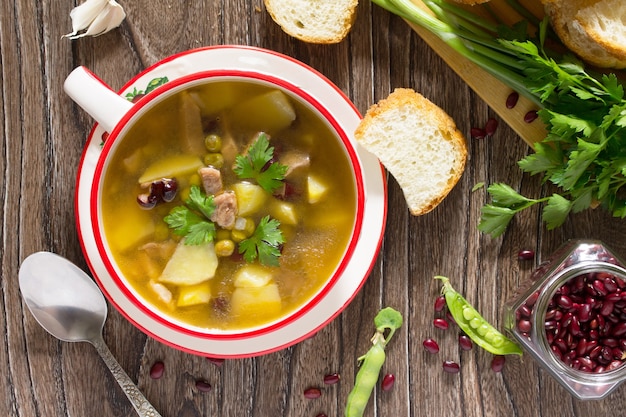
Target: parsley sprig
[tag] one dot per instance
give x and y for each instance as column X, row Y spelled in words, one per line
column 193, row 220
column 584, row 152
column 264, row 243
column 258, row 165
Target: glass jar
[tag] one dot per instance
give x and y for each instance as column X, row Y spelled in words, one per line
column 572, row 318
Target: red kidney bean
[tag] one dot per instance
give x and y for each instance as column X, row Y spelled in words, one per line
column 610, row 285
column 312, row 393
column 216, row 361
column 619, row 329
column 449, row 317
column 440, row 303
column 478, row 133
column 440, row 323
column 584, row 313
column 525, row 311
column 524, row 326
column 203, row 386
column 530, row 301
column 531, row 116
column 430, row 345
column 491, row 126
column 331, row 379
column 526, row 255
column 451, row 367
column 599, row 287
column 607, row 308
column 560, row 343
column 497, row 363
column 551, row 325
column 565, row 302
column 465, row 342
column 511, row 100
column 157, row 370
column 388, row 382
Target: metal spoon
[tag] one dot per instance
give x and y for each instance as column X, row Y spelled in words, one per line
column 69, row 305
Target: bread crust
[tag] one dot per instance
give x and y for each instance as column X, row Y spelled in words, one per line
column 303, row 21
column 413, row 105
column 572, row 20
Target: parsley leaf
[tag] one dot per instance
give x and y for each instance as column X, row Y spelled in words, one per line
column 257, row 165
column 192, row 221
column 264, row 243
column 200, row 202
column 556, row 211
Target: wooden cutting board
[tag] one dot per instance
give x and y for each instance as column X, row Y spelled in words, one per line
column 492, row 91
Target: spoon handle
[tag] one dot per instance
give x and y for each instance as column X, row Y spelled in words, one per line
column 137, row 399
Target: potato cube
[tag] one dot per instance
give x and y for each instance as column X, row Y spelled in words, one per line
column 256, row 303
column 316, row 189
column 170, row 166
column 191, row 295
column 250, row 198
column 284, row 212
column 270, row 112
column 252, row 276
column 190, row 264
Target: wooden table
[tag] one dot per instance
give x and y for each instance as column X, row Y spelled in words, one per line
column 42, row 135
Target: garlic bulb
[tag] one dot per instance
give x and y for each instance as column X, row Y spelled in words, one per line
column 95, row 17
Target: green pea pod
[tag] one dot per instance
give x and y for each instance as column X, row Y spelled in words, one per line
column 365, row 380
column 372, row 362
column 474, row 325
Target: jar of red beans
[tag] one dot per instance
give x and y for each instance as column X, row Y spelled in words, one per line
column 572, row 318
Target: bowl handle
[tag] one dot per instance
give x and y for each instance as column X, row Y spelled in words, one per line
column 96, row 98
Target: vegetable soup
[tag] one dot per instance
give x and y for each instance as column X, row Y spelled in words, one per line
column 228, row 205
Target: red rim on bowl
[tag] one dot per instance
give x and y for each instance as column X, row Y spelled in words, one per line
column 152, row 99
column 372, row 205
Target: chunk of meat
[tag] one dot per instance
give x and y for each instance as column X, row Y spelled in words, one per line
column 225, row 209
column 296, row 162
column 211, row 180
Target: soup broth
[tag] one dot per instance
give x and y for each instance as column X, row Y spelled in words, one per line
column 273, row 249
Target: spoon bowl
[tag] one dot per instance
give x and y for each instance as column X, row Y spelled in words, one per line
column 69, row 305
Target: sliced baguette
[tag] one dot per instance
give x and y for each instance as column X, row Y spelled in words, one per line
column 418, row 143
column 314, row 21
column 595, row 30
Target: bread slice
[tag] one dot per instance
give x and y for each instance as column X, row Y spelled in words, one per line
column 418, row 143
column 314, row 21
column 595, row 30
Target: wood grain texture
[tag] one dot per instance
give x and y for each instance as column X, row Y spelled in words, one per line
column 43, row 132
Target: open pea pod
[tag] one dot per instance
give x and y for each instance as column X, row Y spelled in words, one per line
column 474, row 325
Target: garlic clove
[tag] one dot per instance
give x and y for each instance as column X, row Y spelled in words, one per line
column 109, row 19
column 96, row 17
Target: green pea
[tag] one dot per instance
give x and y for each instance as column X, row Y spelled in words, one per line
column 483, row 329
column 215, row 160
column 469, row 314
column 213, row 142
column 474, row 325
column 224, row 247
